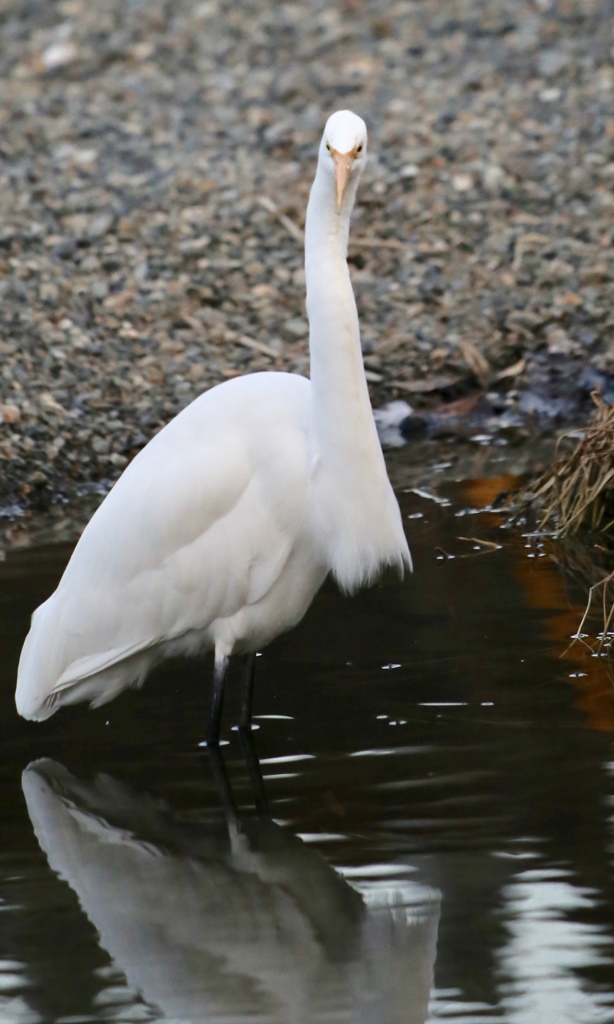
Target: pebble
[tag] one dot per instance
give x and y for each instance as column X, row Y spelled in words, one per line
column 295, row 329
column 462, row 182
column 99, row 289
column 559, row 342
column 598, row 274
column 9, row 413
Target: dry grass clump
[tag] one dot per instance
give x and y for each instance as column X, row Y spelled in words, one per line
column 577, row 492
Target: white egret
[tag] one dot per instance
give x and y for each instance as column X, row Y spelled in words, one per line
column 223, row 528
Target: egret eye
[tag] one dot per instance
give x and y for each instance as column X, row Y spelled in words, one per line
column 328, row 146
column 359, row 148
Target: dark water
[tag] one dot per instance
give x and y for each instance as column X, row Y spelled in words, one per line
column 440, row 782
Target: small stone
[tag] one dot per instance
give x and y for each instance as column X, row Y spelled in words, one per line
column 599, row 273
column 195, row 245
column 58, row 55
column 99, row 226
column 196, row 371
column 559, row 342
column 551, row 62
column 295, row 329
column 49, row 404
column 493, row 177
column 556, row 270
column 462, row 182
column 550, row 95
column 89, row 264
column 9, row 413
column 65, row 248
column 99, row 289
column 254, row 269
column 127, row 228
column 49, row 293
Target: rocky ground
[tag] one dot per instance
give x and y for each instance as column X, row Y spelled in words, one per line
column 156, row 159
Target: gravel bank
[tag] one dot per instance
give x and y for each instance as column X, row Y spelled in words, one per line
column 156, row 162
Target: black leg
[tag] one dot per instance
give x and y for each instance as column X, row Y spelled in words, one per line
column 219, row 673
column 248, row 690
column 253, row 770
column 230, row 809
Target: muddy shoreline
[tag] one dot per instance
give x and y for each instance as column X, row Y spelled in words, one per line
column 156, row 162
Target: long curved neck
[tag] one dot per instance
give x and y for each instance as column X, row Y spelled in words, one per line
column 342, row 416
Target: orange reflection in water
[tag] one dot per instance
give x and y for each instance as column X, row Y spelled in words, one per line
column 543, row 587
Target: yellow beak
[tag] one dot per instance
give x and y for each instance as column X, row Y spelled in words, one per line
column 343, row 166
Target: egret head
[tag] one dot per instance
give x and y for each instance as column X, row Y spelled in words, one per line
column 344, row 149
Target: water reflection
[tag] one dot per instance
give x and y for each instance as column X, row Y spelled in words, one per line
column 549, row 948
column 431, row 728
column 239, row 921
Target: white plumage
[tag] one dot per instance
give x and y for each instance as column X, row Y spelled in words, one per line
column 221, row 531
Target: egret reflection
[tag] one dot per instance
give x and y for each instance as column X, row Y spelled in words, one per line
column 239, row 920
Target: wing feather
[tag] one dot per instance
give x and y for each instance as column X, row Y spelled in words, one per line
column 199, row 526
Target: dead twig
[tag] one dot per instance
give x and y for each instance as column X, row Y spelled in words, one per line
column 256, row 346
column 490, row 544
column 293, row 229
column 608, row 613
column 378, row 243
column 299, row 235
